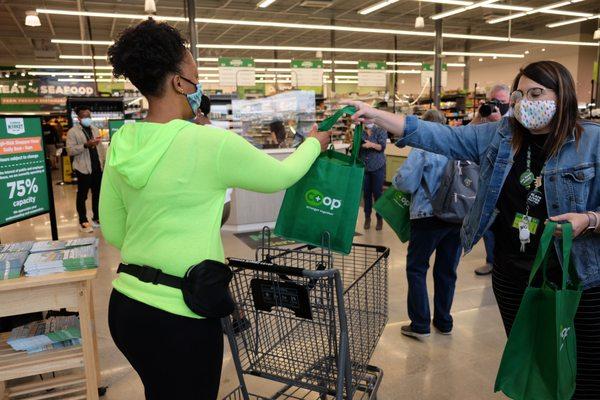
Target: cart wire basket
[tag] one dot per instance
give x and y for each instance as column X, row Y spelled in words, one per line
column 309, row 319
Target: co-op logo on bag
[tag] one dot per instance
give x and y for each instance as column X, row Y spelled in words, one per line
column 564, row 333
column 316, row 199
column 15, row 126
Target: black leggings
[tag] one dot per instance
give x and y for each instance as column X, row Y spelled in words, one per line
column 509, row 287
column 176, row 357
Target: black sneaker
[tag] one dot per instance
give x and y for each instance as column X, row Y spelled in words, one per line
column 447, row 332
column 407, row 330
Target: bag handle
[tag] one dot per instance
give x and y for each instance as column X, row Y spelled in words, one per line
column 328, row 123
column 541, row 258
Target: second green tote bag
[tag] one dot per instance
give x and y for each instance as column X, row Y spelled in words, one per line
column 394, row 207
column 326, row 200
column 540, row 358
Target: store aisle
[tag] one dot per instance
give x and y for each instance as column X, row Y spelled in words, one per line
column 462, row 366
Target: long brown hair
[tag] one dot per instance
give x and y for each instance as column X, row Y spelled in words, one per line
column 555, row 76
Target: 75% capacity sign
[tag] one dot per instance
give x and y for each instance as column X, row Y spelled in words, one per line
column 23, row 185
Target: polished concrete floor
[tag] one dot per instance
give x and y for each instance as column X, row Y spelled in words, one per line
column 462, row 366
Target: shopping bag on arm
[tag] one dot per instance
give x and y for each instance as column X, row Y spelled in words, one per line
column 327, row 198
column 540, row 357
column 394, row 207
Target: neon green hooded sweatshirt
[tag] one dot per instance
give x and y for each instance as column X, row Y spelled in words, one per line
column 162, row 197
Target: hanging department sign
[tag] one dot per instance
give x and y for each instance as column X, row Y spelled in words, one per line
column 307, row 73
column 372, row 73
column 234, row 72
column 23, row 187
column 428, row 75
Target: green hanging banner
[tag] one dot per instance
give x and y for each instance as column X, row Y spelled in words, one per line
column 23, row 184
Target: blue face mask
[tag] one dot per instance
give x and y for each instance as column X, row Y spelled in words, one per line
column 195, row 98
column 86, row 122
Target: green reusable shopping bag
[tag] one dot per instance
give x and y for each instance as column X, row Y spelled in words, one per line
column 540, row 358
column 394, row 207
column 327, row 198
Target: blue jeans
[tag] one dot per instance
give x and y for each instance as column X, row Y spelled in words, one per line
column 489, row 240
column 427, row 236
column 373, row 188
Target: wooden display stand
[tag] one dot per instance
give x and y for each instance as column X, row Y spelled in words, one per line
column 71, row 290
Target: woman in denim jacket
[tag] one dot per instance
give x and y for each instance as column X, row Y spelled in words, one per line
column 542, row 163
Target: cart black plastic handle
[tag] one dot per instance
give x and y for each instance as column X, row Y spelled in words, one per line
column 264, row 266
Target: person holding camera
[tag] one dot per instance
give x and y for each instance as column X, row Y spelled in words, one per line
column 496, row 107
column 492, row 110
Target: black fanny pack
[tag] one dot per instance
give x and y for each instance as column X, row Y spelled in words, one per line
column 204, row 286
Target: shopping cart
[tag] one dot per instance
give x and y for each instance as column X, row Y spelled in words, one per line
column 309, row 320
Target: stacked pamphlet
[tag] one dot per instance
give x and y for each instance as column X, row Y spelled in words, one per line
column 53, row 245
column 16, row 247
column 51, row 262
column 89, row 241
column 51, row 333
column 48, row 245
column 11, row 264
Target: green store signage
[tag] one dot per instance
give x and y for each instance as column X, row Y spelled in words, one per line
column 309, row 64
column 429, row 67
column 236, row 62
column 40, row 94
column 23, row 185
column 372, row 65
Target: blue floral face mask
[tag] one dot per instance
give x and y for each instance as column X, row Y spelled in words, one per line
column 195, row 98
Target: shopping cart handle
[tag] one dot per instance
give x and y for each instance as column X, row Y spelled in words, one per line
column 264, row 266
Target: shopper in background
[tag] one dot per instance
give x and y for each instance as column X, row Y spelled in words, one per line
column 420, row 172
column 278, row 134
column 501, row 94
column 84, row 145
column 542, row 163
column 498, row 103
column 161, row 205
column 372, row 154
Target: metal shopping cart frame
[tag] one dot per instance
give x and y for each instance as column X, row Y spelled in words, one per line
column 312, row 320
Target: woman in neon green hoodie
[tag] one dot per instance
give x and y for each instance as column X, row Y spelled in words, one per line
column 161, row 203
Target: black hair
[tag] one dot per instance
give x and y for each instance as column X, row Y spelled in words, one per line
column 278, row 129
column 79, row 109
column 205, row 105
column 146, row 53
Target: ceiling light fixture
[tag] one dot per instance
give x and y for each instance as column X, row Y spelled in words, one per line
column 32, row 66
column 76, row 57
column 265, row 3
column 420, row 21
column 534, row 11
column 571, row 21
column 352, row 50
column 32, row 19
column 376, row 6
column 76, row 41
column 150, row 7
column 301, row 26
column 458, row 10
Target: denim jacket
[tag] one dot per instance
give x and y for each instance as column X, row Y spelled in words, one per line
column 571, row 179
column 420, row 168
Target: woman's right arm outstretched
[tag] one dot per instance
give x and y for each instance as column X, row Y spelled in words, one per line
column 458, row 143
column 244, row 166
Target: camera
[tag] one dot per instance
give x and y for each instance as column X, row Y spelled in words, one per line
column 488, row 107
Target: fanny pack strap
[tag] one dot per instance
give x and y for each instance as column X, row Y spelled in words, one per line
column 151, row 275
